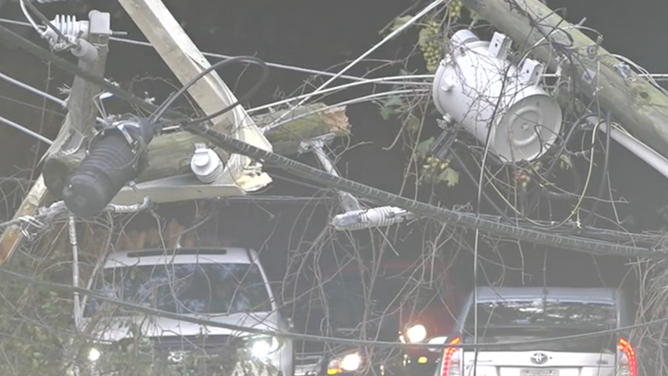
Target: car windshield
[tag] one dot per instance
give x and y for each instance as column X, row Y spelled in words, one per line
column 203, row 288
column 526, row 321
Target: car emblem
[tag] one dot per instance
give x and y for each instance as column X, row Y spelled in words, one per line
column 176, row 356
column 538, row 358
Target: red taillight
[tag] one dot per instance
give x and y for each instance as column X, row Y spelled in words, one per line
column 627, row 365
column 448, row 355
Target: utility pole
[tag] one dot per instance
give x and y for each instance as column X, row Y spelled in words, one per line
column 78, row 124
column 638, row 105
column 170, row 154
column 240, row 175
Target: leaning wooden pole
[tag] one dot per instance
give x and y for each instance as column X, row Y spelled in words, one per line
column 635, row 102
column 169, row 155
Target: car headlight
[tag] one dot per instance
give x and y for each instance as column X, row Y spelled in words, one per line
column 350, row 362
column 262, row 347
column 94, row 354
column 416, row 333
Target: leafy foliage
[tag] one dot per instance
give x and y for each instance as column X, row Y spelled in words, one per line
column 434, row 170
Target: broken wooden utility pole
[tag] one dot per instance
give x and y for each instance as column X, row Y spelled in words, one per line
column 635, row 102
column 241, row 174
column 170, row 154
column 78, row 124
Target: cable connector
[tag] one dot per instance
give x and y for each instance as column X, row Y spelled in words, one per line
column 375, row 217
column 65, row 32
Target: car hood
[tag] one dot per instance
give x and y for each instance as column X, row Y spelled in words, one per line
column 117, row 328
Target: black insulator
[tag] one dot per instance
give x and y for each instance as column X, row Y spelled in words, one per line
column 109, row 165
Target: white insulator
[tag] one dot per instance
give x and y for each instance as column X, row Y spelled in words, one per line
column 477, row 87
column 376, row 217
column 68, row 26
column 206, row 164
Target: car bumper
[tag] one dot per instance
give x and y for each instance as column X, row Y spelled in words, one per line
column 415, row 364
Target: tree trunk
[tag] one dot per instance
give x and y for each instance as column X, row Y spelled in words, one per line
column 635, row 103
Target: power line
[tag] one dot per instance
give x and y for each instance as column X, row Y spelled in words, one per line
column 419, row 208
column 221, row 56
column 297, row 336
column 24, row 129
column 496, row 227
column 361, row 57
column 58, row 209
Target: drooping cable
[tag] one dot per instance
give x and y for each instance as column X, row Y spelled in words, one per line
column 469, row 174
column 604, row 173
column 486, row 223
column 160, row 111
column 419, row 208
column 118, row 154
column 290, row 335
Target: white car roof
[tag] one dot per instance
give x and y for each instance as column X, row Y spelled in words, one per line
column 223, row 255
column 573, row 294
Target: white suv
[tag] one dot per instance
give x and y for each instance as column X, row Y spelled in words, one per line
column 514, row 322
column 226, row 285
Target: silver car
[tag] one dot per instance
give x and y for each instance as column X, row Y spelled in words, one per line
column 225, row 285
column 512, row 321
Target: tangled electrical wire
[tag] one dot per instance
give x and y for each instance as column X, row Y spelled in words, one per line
column 251, row 330
column 117, row 154
column 489, row 224
column 502, row 225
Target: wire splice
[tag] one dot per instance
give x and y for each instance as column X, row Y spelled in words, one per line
column 375, row 217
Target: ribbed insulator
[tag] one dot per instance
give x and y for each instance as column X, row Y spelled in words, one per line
column 68, row 25
column 362, row 219
column 109, row 165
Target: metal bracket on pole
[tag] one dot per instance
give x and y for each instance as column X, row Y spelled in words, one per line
column 317, row 146
column 354, row 216
column 240, row 174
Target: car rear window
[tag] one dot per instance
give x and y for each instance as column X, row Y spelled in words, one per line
column 547, row 313
column 526, row 321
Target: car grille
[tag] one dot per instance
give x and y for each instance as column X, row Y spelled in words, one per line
column 191, row 342
column 211, row 352
column 308, row 359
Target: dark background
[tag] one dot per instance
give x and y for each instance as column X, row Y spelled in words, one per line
column 320, row 34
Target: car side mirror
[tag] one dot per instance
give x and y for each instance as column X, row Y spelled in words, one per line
column 437, row 341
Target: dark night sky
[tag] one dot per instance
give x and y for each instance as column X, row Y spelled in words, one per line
column 319, row 34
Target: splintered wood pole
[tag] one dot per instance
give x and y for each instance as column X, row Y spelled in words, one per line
column 170, row 154
column 635, row 103
column 78, row 123
column 210, row 93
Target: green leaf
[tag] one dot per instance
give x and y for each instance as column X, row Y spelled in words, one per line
column 449, row 176
column 393, row 101
column 424, row 147
column 386, row 112
column 412, row 123
column 475, row 18
column 399, row 22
